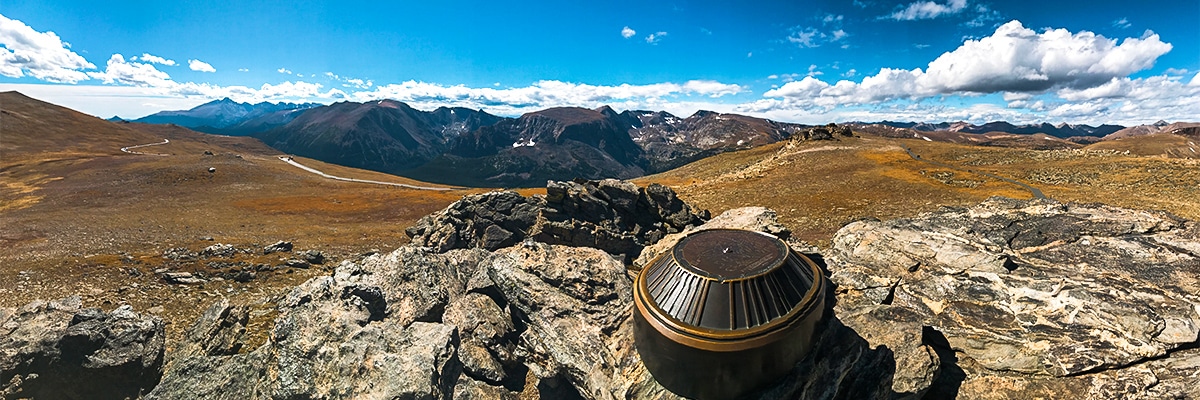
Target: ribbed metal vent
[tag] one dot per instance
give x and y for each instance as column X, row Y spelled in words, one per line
column 728, row 279
column 725, row 311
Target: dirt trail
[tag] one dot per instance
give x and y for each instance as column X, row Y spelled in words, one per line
column 126, row 149
column 289, row 160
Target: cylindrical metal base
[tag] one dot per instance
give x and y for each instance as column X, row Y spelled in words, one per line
column 703, row 374
column 726, row 312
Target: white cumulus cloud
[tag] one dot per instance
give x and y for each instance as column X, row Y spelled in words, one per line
column 1056, row 74
column 197, row 65
column 627, row 32
column 1013, row 59
column 120, row 71
column 42, row 55
column 284, row 71
column 153, row 59
column 1016, row 58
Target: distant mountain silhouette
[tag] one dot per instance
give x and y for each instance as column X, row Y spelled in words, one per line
column 229, row 117
column 384, row 135
column 1062, row 130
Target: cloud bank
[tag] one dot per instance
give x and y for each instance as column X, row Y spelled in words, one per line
column 1069, row 67
column 1024, row 75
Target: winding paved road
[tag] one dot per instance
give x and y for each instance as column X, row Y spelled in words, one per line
column 1037, row 193
column 289, row 160
column 126, row 149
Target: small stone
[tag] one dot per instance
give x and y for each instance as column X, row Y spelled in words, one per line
column 313, row 256
column 296, row 263
column 183, row 278
column 280, row 246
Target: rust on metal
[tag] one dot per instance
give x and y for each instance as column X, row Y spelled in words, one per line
column 725, row 311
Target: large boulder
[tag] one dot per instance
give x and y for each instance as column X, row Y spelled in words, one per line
column 373, row 328
column 1030, row 298
column 60, row 350
column 615, row 216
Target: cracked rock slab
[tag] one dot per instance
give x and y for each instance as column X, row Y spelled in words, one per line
column 1032, row 291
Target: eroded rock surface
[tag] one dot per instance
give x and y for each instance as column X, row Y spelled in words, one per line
column 59, row 350
column 1033, row 297
column 615, row 216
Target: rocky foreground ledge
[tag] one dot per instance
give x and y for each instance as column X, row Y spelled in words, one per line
column 1007, row 299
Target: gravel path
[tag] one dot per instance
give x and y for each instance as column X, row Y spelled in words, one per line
column 289, row 160
column 126, row 149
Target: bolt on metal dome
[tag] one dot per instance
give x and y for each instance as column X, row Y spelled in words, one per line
column 725, row 311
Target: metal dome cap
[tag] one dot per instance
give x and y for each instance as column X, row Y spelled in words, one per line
column 725, row 311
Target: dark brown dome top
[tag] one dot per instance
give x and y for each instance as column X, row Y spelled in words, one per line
column 727, row 284
column 729, row 254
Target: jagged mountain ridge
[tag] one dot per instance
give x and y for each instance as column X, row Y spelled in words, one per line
column 670, row 142
column 556, row 143
column 572, row 142
column 230, row 117
column 1062, row 130
column 384, row 135
column 1179, row 128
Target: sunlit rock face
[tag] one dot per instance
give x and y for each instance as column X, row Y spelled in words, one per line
column 1006, row 299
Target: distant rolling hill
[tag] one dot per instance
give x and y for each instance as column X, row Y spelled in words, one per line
column 32, row 128
column 1038, row 141
column 1180, row 128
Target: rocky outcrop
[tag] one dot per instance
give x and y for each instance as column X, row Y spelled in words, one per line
column 418, row 324
column 372, row 329
column 533, row 319
column 615, row 216
column 1007, row 299
column 827, row 132
column 59, row 350
column 1028, row 299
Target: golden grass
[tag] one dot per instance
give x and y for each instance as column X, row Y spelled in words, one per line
column 817, row 187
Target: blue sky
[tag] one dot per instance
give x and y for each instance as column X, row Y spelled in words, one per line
column 815, row 62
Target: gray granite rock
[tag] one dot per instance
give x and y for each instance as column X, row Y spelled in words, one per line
column 60, row 350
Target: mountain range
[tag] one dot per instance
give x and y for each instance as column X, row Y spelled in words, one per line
column 385, row 135
column 468, row 147
column 1062, row 130
column 228, row 117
